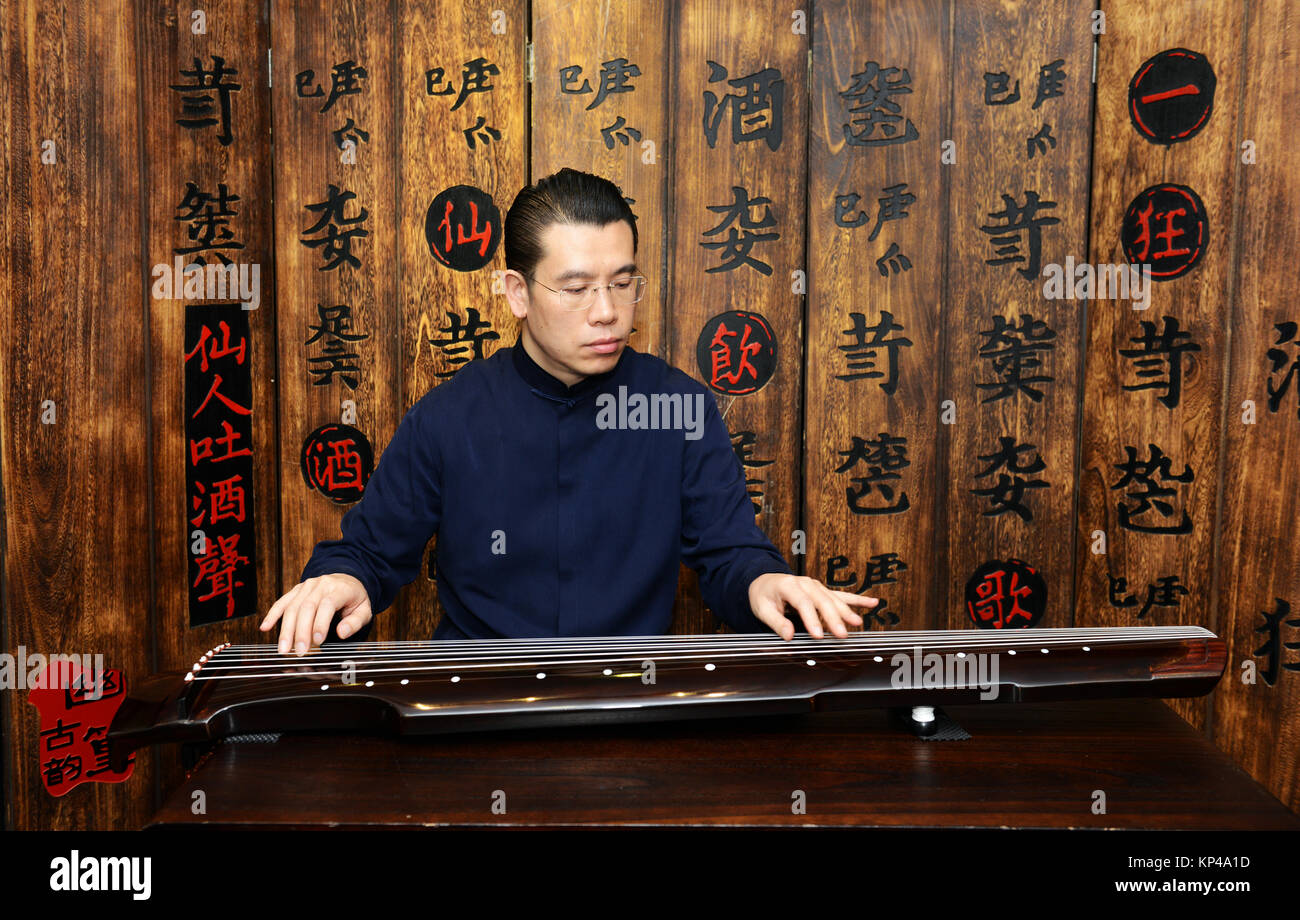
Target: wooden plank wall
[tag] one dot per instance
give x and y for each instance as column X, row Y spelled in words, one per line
column 208, row 196
column 868, row 235
column 1127, row 432
column 335, row 280
column 475, row 135
column 877, row 198
column 1257, row 558
column 1013, row 356
column 735, row 243
column 623, row 137
column 75, row 380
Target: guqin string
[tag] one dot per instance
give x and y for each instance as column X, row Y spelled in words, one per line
column 433, row 657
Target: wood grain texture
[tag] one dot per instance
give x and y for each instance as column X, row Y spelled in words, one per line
column 1041, row 415
column 92, row 552
column 435, row 155
column 175, row 157
column 76, row 511
column 1257, row 562
column 850, row 393
column 1114, row 419
column 746, row 41
column 566, row 127
column 854, row 769
column 307, row 162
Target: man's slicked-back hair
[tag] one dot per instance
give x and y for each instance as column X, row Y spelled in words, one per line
column 565, row 197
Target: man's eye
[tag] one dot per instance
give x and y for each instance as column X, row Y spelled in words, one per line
column 622, row 284
column 575, row 291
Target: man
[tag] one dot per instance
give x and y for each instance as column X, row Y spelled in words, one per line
column 552, row 518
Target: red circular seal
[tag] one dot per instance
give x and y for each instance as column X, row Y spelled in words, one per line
column 337, row 461
column 736, row 352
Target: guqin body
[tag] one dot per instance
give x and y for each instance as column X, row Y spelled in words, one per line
column 418, row 688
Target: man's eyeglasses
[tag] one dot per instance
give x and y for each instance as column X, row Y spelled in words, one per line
column 623, row 292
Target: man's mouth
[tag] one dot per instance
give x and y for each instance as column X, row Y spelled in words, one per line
column 604, row 346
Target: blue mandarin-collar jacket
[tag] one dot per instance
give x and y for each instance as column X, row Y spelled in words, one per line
column 548, row 523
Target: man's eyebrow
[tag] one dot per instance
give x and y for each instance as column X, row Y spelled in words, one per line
column 583, row 275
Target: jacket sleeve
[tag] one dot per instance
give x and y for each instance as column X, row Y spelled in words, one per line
column 384, row 534
column 720, row 539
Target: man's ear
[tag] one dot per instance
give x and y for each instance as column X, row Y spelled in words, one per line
column 516, row 286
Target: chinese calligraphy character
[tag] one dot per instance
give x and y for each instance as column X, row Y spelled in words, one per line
column 473, row 79
column 334, row 324
column 1022, row 225
column 201, row 448
column 893, row 260
column 481, row 130
column 1162, row 594
column 614, row 78
column 199, row 108
column 880, row 570
column 1277, row 358
column 216, row 350
column 1273, row 644
column 337, row 245
column 1167, row 227
column 1005, row 594
column 1037, row 143
column 618, row 131
column 345, row 80
column 463, row 227
column 995, row 89
column 209, row 219
column 1009, row 491
column 882, row 457
column 1013, row 350
column 736, row 352
column 1051, row 80
column 218, row 566
column 1143, row 473
column 463, row 336
column 862, row 352
column 350, row 132
column 1160, row 357
column 755, row 110
column 742, row 442
column 336, row 461
column 737, row 245
column 891, row 206
column 875, row 113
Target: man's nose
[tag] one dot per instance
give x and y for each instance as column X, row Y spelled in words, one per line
column 603, row 304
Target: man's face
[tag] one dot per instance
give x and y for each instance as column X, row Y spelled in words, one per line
column 573, row 344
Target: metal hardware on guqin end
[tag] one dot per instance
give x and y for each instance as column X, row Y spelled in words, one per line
column 453, row 685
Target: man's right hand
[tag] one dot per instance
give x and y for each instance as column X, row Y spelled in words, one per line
column 305, row 613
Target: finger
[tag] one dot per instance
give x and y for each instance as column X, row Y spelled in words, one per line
column 288, row 622
column 307, row 614
column 841, row 607
column 277, row 608
column 837, row 616
column 861, row 600
column 771, row 613
column 800, row 601
column 828, row 611
column 320, row 606
column 354, row 620
column 846, row 612
column 324, row 616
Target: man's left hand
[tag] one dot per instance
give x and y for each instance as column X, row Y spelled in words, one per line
column 815, row 603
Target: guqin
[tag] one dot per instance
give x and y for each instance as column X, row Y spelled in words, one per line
column 420, row 688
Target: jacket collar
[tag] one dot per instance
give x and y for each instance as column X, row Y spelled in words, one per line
column 542, row 382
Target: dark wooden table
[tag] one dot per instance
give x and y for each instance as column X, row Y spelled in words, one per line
column 1027, row 766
